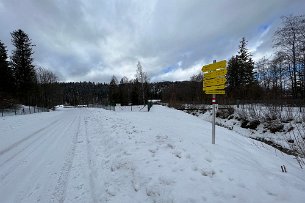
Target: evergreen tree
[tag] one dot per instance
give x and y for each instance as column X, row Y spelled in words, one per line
column 240, row 76
column 114, row 90
column 233, row 76
column 135, row 92
column 6, row 73
column 245, row 63
column 22, row 64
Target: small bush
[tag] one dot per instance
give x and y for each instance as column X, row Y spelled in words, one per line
column 244, row 124
column 274, row 126
column 288, row 115
column 272, row 113
column 253, row 124
column 250, row 124
column 241, row 114
column 225, row 113
column 298, row 144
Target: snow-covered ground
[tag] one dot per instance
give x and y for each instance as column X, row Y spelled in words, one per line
column 165, row 155
column 291, row 119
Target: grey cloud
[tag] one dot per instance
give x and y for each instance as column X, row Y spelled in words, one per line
column 92, row 40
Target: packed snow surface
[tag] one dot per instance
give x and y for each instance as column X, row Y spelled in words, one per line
column 165, row 155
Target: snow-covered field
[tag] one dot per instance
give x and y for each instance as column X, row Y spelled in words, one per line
column 165, row 155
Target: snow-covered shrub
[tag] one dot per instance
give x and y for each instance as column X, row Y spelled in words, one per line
column 250, row 116
column 225, row 112
column 274, row 125
column 250, row 124
column 272, row 113
column 254, row 112
column 253, row 124
column 298, row 144
column 242, row 114
column 287, row 115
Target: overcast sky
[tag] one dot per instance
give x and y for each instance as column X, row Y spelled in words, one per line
column 91, row 40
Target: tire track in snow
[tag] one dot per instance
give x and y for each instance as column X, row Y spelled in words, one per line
column 61, row 187
column 16, row 163
column 55, row 138
column 28, row 145
column 4, row 151
column 90, row 165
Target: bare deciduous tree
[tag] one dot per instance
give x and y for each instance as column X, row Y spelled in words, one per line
column 290, row 40
column 45, row 76
column 141, row 76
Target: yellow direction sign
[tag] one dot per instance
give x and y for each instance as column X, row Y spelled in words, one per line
column 215, row 66
column 215, row 74
column 219, row 87
column 215, row 92
column 214, row 82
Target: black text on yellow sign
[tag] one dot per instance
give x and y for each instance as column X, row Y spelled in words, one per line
column 215, row 92
column 218, row 87
column 214, row 74
column 215, row 66
column 214, row 82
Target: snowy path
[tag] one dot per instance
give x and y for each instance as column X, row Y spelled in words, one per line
column 94, row 155
column 35, row 164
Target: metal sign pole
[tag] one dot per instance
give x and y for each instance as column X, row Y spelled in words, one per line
column 214, row 115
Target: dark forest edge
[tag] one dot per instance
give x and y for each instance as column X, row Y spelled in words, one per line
column 278, row 80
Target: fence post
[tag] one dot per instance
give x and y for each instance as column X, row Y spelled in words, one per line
column 2, row 112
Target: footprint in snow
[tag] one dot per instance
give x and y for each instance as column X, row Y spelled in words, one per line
column 170, row 146
column 177, row 154
column 208, row 160
column 209, row 173
column 111, row 190
column 166, row 181
column 271, row 193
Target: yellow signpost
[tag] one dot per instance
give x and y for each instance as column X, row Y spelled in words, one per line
column 214, row 80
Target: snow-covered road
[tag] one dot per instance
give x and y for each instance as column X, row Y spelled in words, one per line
column 36, row 156
column 94, row 155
